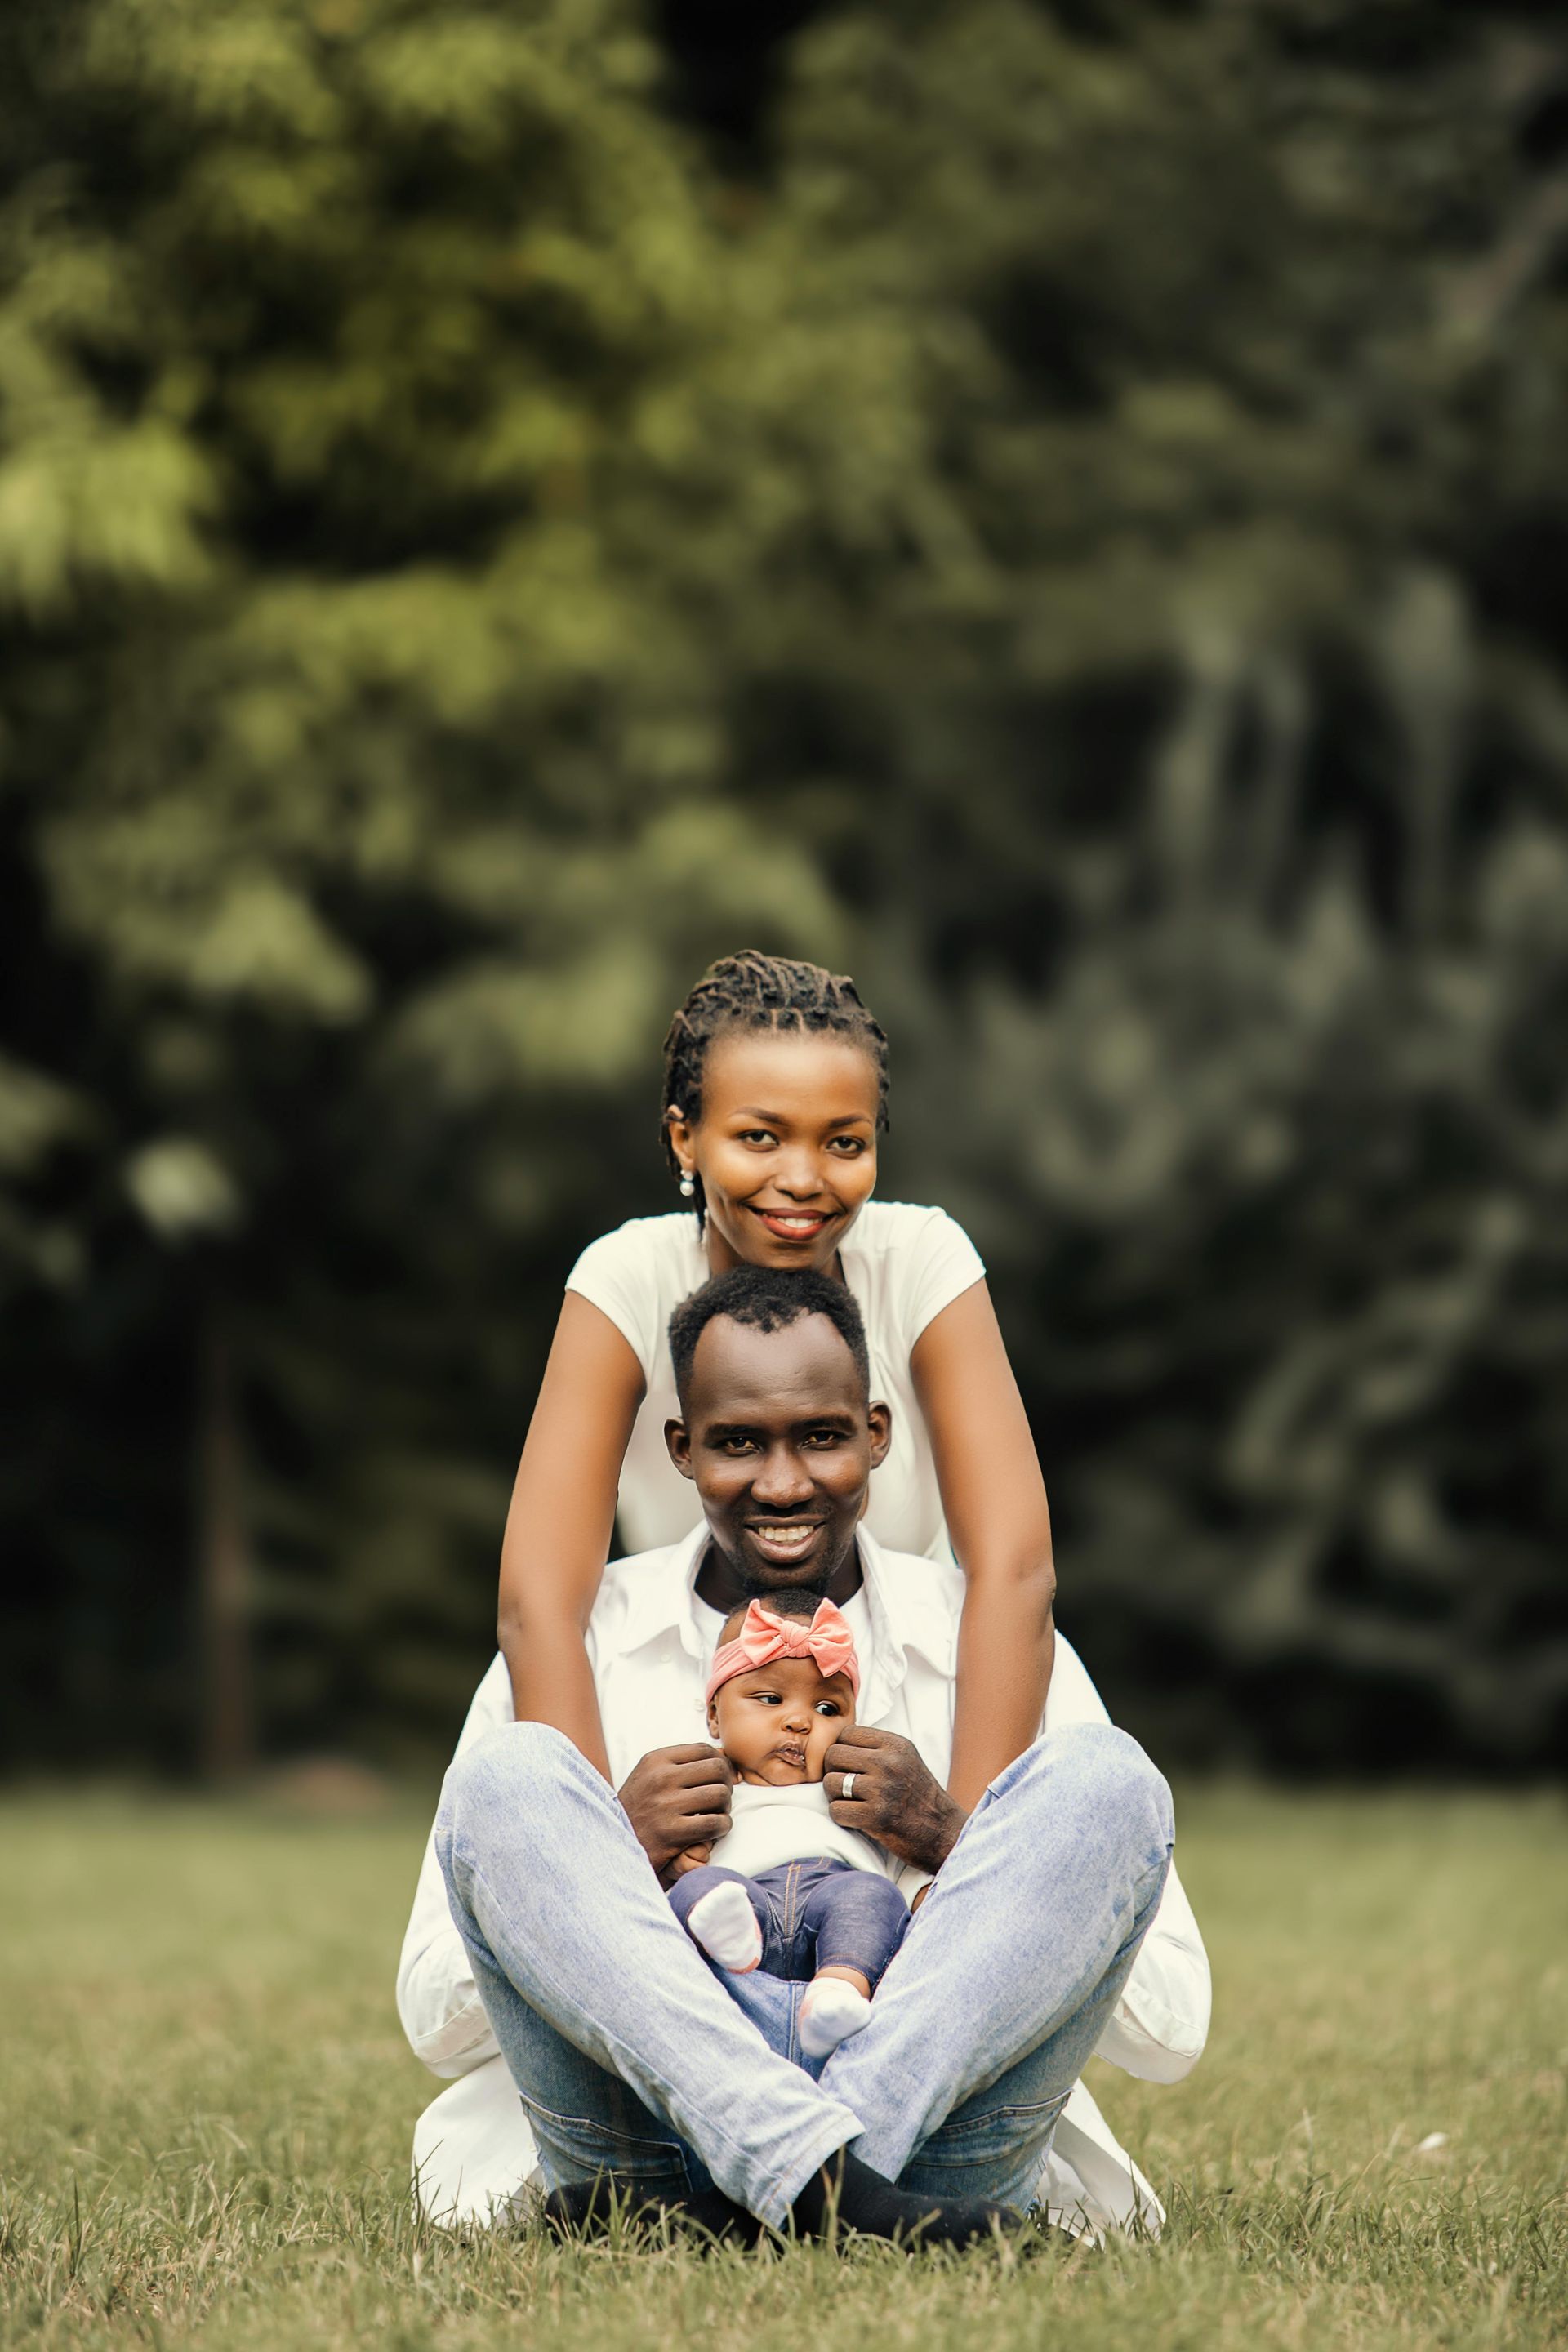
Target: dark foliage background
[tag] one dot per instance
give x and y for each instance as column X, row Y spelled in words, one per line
column 1061, row 508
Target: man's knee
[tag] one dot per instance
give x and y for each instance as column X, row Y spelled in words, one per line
column 1103, row 1769
column 509, row 1774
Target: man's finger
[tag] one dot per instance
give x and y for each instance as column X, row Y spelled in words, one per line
column 854, row 1814
column 863, row 1736
column 705, row 1797
column 844, row 1757
column 694, row 1751
column 700, row 1829
column 709, row 1770
column 699, row 1793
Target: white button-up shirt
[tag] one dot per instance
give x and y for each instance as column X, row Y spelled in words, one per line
column 650, row 1649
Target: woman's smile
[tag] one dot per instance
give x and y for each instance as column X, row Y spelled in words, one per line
column 794, row 1224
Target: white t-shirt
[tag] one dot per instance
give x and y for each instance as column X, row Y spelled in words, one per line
column 902, row 1264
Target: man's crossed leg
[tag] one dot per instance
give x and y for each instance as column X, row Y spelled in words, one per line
column 634, row 2057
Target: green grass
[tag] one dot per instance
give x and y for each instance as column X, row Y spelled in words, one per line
column 205, row 2107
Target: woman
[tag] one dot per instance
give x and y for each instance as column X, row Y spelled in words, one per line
column 774, row 1092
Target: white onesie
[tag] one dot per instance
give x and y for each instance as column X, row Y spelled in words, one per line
column 771, row 1826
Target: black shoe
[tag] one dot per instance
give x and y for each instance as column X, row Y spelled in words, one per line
column 587, row 2209
column 847, row 2195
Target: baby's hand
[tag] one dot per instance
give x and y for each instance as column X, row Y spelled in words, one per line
column 694, row 1858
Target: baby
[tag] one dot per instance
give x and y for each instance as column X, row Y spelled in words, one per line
column 795, row 1894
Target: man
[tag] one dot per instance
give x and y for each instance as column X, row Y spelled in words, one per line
column 1048, row 1926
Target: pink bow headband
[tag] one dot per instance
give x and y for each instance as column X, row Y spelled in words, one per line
column 765, row 1636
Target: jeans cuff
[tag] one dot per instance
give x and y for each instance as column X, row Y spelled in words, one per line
column 779, row 2193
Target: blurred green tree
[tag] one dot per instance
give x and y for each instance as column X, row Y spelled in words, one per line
column 361, row 775
column 1073, row 515
column 1210, row 850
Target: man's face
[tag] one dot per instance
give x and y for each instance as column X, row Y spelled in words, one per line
column 777, row 1723
column 781, row 1444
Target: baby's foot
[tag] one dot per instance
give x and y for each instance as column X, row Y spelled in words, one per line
column 830, row 2012
column 725, row 1925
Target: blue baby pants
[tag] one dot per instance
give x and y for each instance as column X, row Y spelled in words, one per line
column 814, row 1915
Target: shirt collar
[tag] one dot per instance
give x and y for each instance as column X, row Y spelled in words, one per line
column 660, row 1599
column 910, row 1608
column 909, row 1605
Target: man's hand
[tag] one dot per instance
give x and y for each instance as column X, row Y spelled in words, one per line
column 896, row 1801
column 678, row 1799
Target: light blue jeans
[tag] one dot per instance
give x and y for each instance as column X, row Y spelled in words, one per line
column 634, row 2055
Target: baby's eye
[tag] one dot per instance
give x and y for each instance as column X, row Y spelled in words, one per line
column 828, row 1707
column 766, row 1698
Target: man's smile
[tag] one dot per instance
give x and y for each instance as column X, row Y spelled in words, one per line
column 784, row 1541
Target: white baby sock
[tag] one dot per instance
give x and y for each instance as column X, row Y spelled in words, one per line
column 725, row 1925
column 830, row 2012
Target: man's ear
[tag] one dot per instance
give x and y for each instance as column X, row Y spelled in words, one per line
column 678, row 1442
column 879, row 1420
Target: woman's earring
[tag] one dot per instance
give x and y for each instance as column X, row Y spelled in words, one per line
column 688, row 1187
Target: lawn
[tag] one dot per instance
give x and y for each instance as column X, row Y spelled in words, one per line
column 205, row 2109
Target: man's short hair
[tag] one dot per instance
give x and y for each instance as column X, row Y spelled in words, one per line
column 766, row 1298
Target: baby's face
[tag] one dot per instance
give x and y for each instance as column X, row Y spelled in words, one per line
column 777, row 1723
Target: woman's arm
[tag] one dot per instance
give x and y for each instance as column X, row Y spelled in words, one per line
column 562, row 1518
column 995, row 1499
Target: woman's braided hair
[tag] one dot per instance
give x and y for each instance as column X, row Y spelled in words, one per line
column 752, row 991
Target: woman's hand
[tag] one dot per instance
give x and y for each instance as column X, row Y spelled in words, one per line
column 677, row 1802
column 895, row 1798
